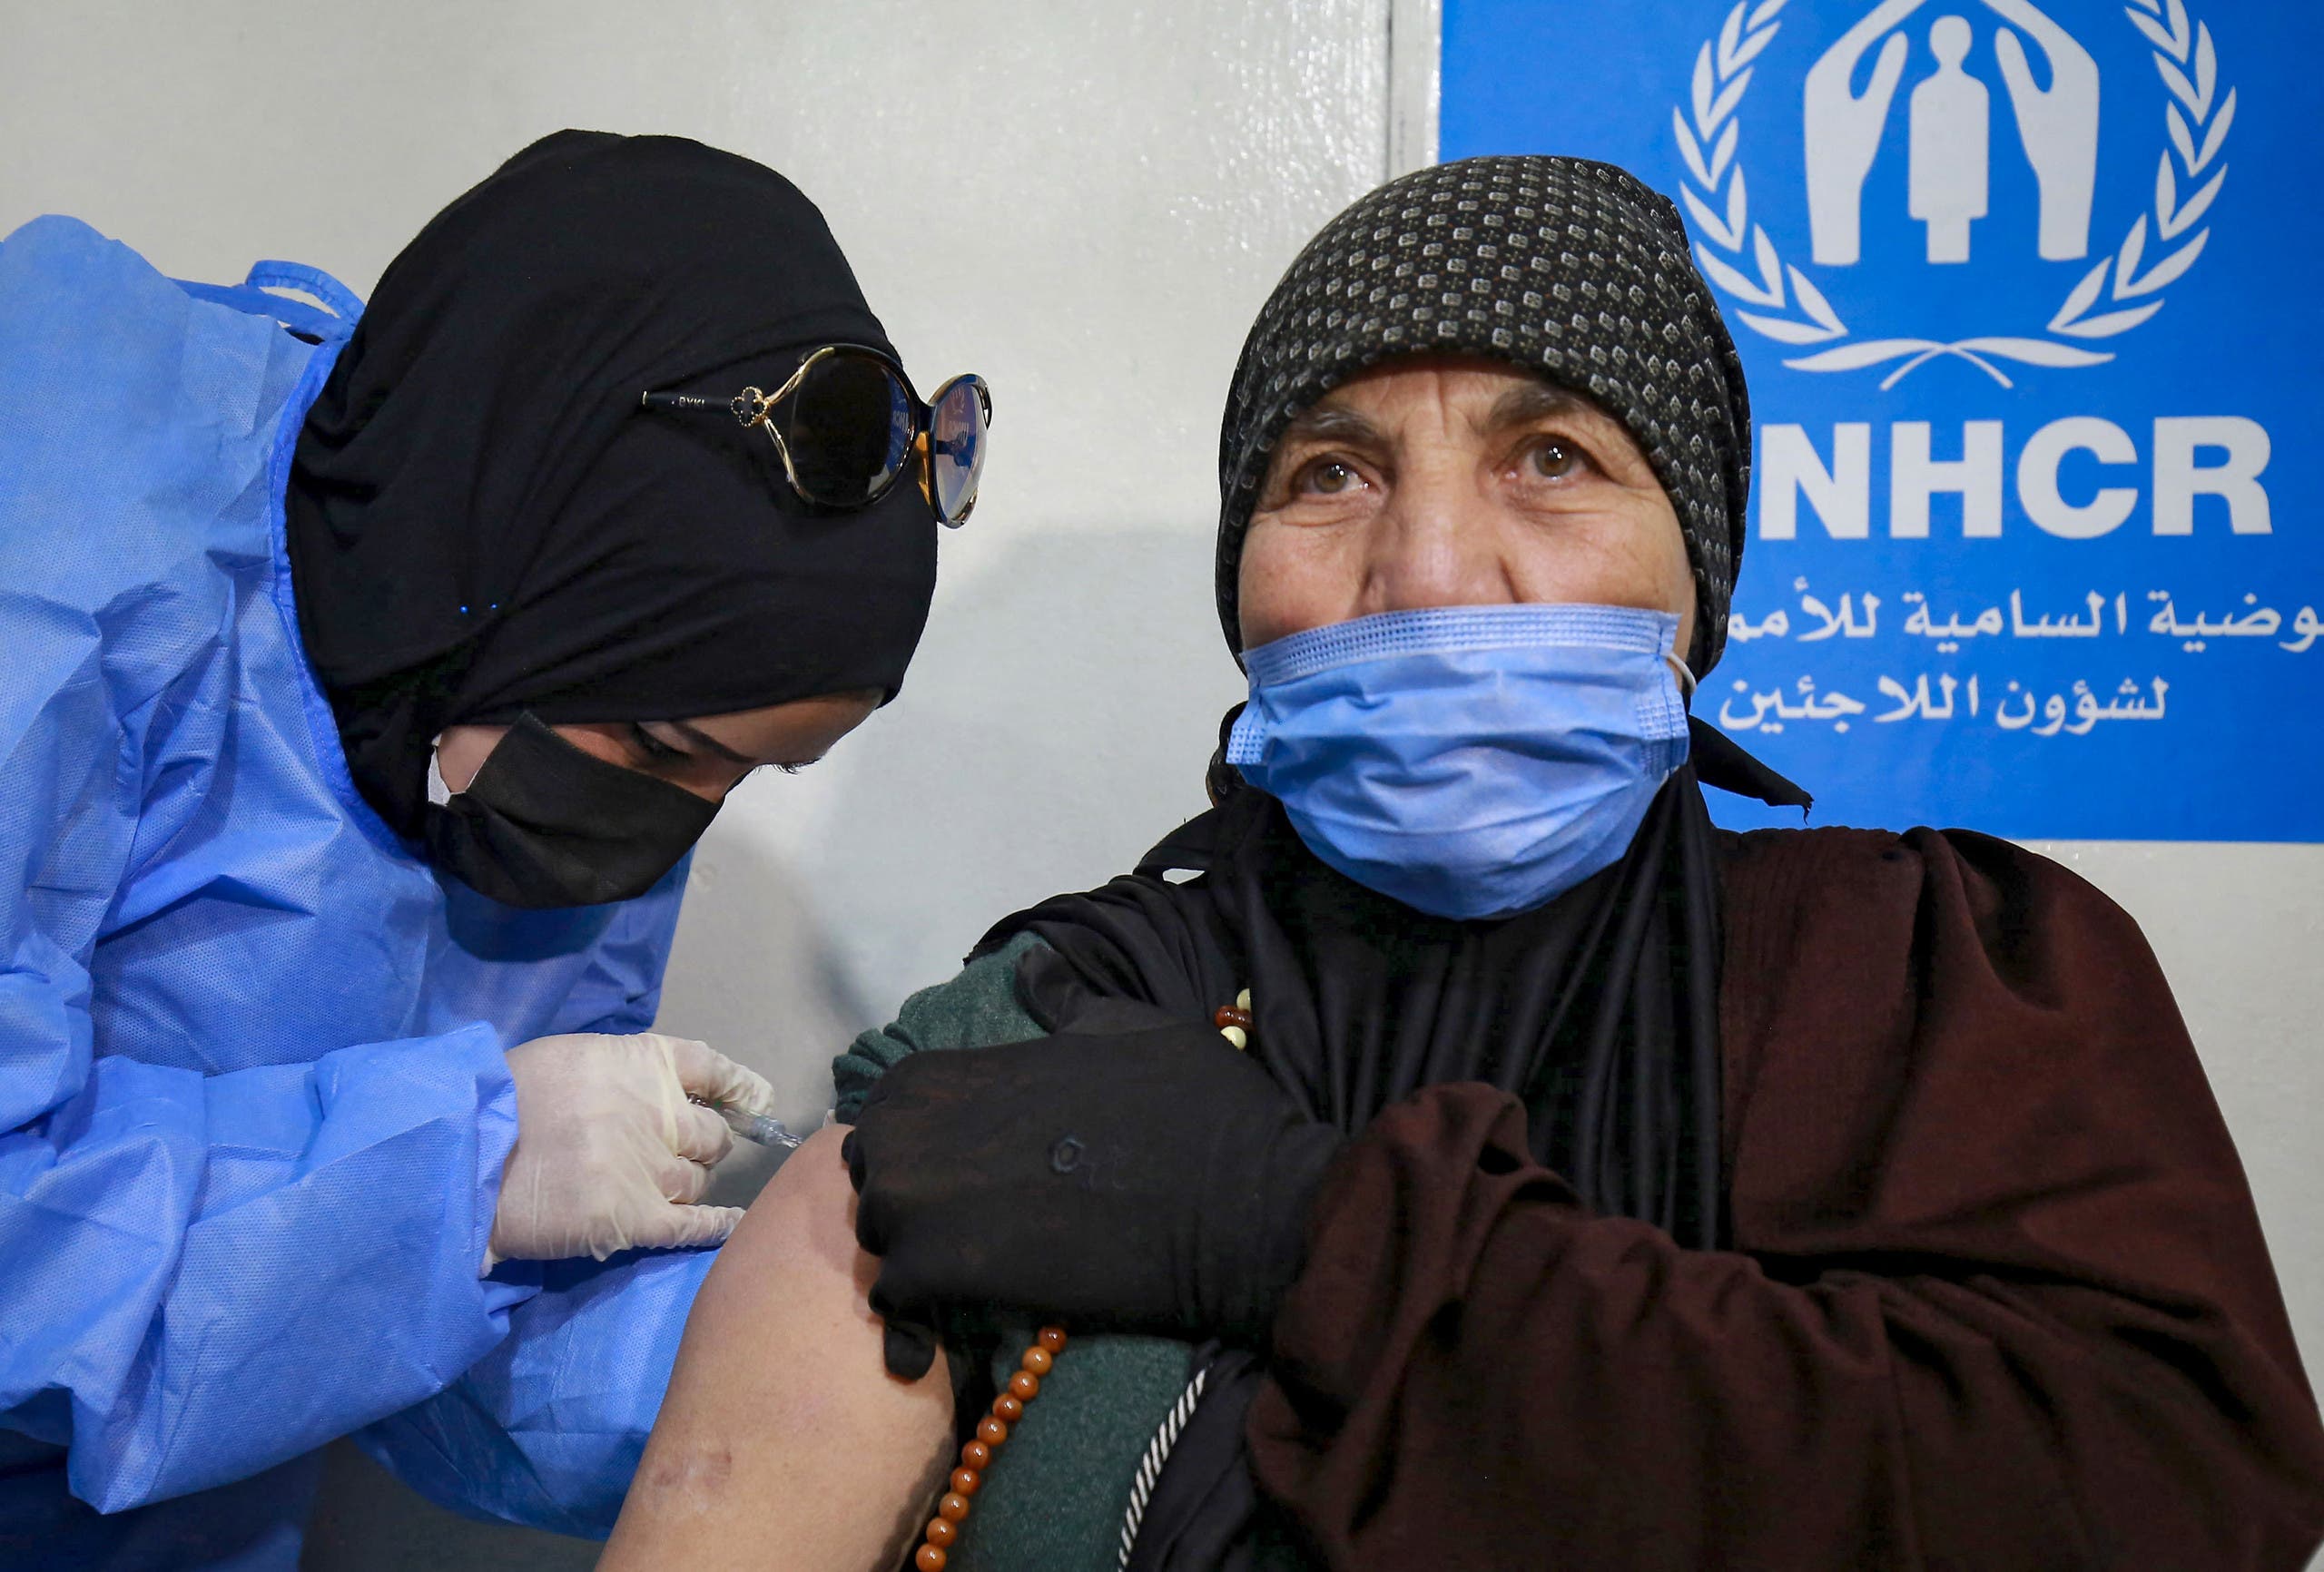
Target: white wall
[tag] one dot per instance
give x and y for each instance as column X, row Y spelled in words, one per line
column 1085, row 200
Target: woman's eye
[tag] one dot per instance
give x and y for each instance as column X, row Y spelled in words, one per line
column 652, row 747
column 1554, row 458
column 1332, row 478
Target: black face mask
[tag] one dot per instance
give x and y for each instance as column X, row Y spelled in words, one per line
column 545, row 824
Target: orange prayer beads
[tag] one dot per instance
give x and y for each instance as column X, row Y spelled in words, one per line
column 943, row 1529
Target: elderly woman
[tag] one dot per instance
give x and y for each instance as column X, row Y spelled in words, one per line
column 1500, row 1165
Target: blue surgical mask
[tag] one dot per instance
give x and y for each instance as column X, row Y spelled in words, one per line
column 1471, row 762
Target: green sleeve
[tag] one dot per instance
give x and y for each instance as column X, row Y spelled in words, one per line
column 1055, row 1499
column 975, row 1011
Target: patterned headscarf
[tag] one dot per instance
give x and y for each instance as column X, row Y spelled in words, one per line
column 1558, row 266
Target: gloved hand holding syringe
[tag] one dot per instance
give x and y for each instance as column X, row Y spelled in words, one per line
column 617, row 1135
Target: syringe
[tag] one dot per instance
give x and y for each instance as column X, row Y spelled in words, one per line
column 762, row 1129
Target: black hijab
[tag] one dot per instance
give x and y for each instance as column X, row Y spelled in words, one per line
column 482, row 520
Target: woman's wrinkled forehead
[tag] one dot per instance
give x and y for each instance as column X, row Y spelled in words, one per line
column 1566, row 268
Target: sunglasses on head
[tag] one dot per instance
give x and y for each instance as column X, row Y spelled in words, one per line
column 848, row 422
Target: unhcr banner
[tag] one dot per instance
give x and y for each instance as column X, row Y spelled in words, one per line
column 2031, row 299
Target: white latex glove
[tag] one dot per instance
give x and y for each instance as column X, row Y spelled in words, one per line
column 610, row 1153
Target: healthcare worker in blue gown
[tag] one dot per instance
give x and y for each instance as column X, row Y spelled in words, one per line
column 364, row 681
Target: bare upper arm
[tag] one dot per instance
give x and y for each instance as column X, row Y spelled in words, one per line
column 783, row 1441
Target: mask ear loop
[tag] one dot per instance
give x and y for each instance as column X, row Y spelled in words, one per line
column 1685, row 674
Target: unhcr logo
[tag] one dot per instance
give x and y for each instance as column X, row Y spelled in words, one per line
column 2045, row 109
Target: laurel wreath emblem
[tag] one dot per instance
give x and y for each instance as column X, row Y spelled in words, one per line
column 2196, row 118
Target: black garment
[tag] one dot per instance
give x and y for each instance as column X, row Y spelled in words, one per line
column 1995, row 1296
column 483, row 522
column 1205, row 1512
column 1599, row 1010
column 1149, row 1180
column 1568, row 269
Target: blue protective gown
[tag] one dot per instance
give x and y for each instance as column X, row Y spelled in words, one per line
column 251, row 1072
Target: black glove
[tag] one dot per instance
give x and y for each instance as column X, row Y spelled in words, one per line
column 1157, row 1181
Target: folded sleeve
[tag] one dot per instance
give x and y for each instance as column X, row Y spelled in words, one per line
column 1998, row 1297
column 978, row 1009
column 202, row 1276
column 546, row 1428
